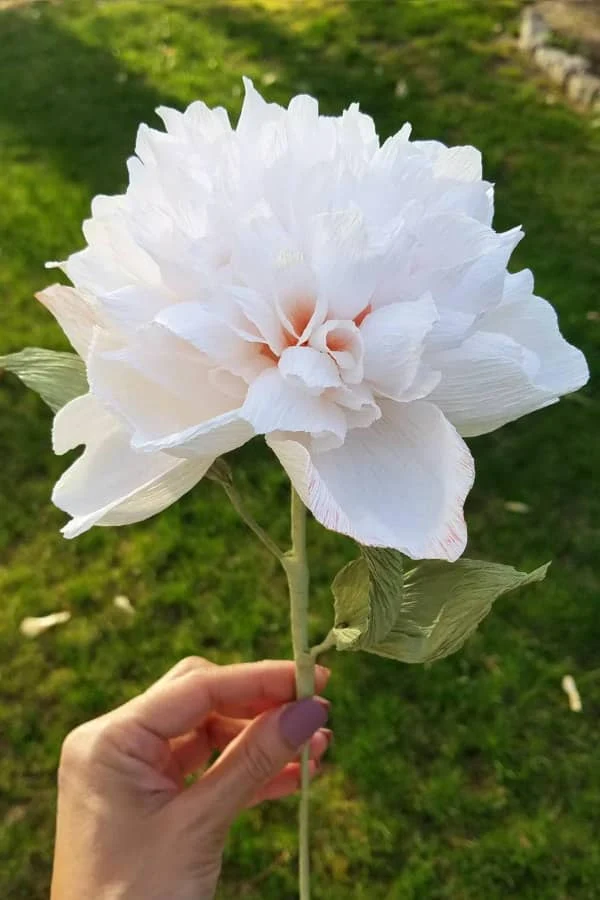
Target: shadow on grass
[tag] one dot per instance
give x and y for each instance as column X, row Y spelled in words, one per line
column 70, row 102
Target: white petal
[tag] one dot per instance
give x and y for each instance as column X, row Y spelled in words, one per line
column 219, row 340
column 478, row 285
column 458, row 163
column 314, row 370
column 400, row 483
column 80, row 421
column 75, row 313
column 532, row 322
column 431, row 149
column 311, row 139
column 342, row 340
column 112, row 260
column 357, row 135
column 110, row 484
column 274, row 403
column 92, row 273
column 198, row 121
column 393, row 338
column 517, row 286
column 135, row 305
column 392, row 149
column 449, row 240
column 149, row 141
column 158, row 384
column 486, row 382
column 256, row 113
column 211, row 438
column 299, row 305
column 210, row 123
column 173, row 119
column 359, row 405
column 475, row 198
column 228, row 384
column 259, row 241
column 451, row 329
column 346, row 275
column 261, row 313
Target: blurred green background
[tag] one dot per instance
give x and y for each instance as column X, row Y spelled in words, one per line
column 467, row 779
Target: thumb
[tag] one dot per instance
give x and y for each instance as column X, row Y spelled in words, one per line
column 255, row 757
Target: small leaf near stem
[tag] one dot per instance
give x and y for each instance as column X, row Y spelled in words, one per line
column 421, row 615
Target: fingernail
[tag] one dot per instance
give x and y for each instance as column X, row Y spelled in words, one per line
column 328, row 734
column 325, row 703
column 301, row 719
column 324, row 672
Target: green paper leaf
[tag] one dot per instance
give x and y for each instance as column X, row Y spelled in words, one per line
column 367, row 592
column 56, row 377
column 444, row 603
column 423, row 615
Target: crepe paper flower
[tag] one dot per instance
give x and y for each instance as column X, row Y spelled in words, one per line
column 293, row 278
column 350, row 302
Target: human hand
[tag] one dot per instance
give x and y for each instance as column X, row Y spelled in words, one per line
column 128, row 827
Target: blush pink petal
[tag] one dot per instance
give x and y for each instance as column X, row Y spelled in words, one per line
column 75, row 312
column 401, row 483
column 277, row 403
column 111, row 484
column 140, row 384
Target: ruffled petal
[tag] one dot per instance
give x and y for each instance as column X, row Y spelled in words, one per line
column 401, row 483
column 216, row 436
column 79, row 422
column 494, row 378
column 75, row 312
column 276, row 403
column 339, row 254
column 135, row 305
column 218, row 339
column 308, row 367
column 142, row 385
column 458, row 164
column 197, row 122
column 256, row 114
column 393, row 339
column 342, row 341
column 111, row 484
column 533, row 323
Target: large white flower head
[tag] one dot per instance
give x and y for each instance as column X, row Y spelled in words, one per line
column 292, row 278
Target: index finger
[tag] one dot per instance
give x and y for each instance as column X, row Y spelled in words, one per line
column 243, row 690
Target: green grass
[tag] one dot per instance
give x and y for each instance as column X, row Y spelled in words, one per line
column 467, row 779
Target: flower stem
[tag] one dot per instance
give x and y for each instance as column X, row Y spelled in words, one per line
column 296, row 569
column 246, row 516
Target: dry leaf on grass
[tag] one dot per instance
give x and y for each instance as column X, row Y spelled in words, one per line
column 32, row 626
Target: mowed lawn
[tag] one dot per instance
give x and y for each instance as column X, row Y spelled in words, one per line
column 464, row 780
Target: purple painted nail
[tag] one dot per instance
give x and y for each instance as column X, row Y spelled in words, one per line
column 300, row 720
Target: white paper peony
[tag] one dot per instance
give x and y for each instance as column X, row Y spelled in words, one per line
column 291, row 278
